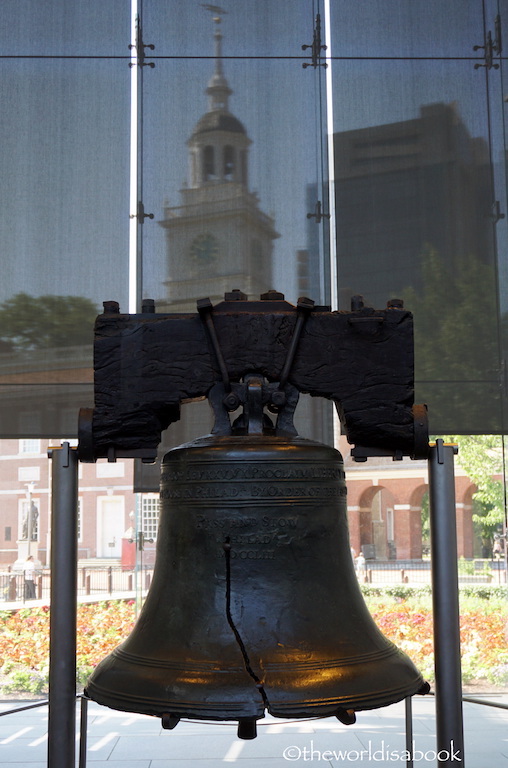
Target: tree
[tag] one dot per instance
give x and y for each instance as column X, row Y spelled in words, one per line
column 42, row 322
column 457, row 361
column 482, row 459
column 457, row 368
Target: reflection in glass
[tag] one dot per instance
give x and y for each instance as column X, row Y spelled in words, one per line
column 231, row 171
column 218, row 238
column 64, row 204
column 402, row 29
column 403, row 188
column 414, row 220
column 251, row 162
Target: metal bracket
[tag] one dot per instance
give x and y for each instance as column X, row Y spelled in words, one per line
column 318, row 213
column 490, row 47
column 140, row 46
column 233, row 395
column 440, row 445
column 254, row 394
column 361, row 453
column 316, row 47
column 496, row 212
column 205, row 308
column 304, row 307
column 141, row 215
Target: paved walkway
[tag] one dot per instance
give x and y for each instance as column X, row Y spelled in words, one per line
column 120, row 740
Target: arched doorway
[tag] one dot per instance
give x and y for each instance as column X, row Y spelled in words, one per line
column 419, row 515
column 377, row 526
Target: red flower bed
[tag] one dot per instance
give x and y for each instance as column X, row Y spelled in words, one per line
column 24, row 638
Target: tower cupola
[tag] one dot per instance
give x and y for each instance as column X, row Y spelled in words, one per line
column 218, row 147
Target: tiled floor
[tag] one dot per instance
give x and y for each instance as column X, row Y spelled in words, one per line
column 120, row 740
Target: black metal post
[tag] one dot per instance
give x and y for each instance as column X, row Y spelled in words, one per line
column 445, row 599
column 62, row 655
column 409, row 730
column 83, row 732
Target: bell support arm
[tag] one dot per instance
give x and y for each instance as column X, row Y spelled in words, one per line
column 147, row 365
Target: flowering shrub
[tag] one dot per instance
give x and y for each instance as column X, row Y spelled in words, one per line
column 24, row 637
column 24, row 642
column 483, row 634
column 100, row 628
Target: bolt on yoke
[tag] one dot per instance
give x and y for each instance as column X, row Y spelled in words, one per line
column 255, row 393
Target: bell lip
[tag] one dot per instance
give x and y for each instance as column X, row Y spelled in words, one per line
column 359, row 702
column 203, row 710
column 231, row 711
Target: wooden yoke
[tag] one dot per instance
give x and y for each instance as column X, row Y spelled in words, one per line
column 147, row 364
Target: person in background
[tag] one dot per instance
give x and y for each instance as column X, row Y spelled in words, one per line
column 29, row 574
column 360, row 567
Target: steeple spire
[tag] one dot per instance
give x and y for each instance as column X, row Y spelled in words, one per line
column 218, row 147
column 218, row 89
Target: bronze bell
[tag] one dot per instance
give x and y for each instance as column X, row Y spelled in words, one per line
column 254, row 605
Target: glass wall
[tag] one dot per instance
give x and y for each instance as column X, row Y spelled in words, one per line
column 200, row 161
column 64, row 211
column 420, row 202
column 233, row 175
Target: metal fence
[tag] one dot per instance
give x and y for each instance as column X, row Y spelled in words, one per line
column 106, row 581
column 395, row 572
column 477, row 571
column 92, row 581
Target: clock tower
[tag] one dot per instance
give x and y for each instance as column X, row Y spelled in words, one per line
column 218, row 238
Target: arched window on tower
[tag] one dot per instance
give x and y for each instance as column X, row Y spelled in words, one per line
column 208, row 163
column 229, row 162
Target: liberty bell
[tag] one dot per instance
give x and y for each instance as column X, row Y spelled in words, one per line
column 254, row 605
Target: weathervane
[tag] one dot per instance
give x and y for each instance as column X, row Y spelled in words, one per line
column 216, row 10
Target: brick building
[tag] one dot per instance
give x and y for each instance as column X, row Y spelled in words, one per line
column 107, row 504
column 384, row 506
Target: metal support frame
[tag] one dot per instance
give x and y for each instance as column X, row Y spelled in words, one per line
column 62, row 678
column 445, row 600
column 62, row 657
column 409, row 730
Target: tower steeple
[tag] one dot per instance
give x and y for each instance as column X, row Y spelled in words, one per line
column 218, row 237
column 218, row 89
column 218, row 147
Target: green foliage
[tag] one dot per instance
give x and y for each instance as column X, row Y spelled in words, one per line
column 29, row 680
column 451, row 296
column 448, row 307
column 466, row 567
column 397, row 591
column 491, row 592
column 481, row 458
column 29, row 322
column 425, row 518
column 83, row 672
column 494, row 593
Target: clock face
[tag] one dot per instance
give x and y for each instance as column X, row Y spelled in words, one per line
column 204, row 249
